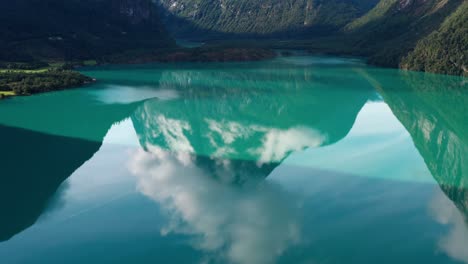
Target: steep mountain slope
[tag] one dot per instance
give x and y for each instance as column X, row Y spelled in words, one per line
column 384, row 31
column 391, row 30
column 76, row 29
column 374, row 14
column 261, row 17
column 445, row 50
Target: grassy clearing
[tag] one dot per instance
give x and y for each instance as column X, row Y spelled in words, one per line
column 42, row 70
column 7, row 93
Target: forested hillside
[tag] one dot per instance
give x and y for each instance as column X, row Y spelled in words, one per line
column 445, row 50
column 384, row 31
column 387, row 33
column 291, row 18
column 429, row 35
column 77, row 29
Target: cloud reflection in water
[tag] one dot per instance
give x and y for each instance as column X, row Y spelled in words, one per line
column 248, row 223
column 454, row 243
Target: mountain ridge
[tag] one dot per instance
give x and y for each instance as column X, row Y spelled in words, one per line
column 389, row 33
column 425, row 35
column 257, row 18
column 77, row 29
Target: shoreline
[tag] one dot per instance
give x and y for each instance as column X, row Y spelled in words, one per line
column 19, row 82
column 201, row 55
column 25, row 82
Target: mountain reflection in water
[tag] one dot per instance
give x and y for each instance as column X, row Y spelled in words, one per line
column 236, row 158
column 433, row 110
column 39, row 157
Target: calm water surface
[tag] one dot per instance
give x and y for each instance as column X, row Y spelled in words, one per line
column 295, row 160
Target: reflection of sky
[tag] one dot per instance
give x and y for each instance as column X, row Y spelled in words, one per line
column 455, row 242
column 308, row 205
column 229, row 222
column 104, row 178
column 122, row 133
column 239, row 225
column 112, row 94
column 377, row 146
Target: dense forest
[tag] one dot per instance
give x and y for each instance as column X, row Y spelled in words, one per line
column 445, row 50
column 77, row 29
column 23, row 83
column 394, row 27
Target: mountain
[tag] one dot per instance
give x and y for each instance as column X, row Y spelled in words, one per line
column 292, row 18
column 77, row 29
column 391, row 30
column 446, row 49
column 428, row 35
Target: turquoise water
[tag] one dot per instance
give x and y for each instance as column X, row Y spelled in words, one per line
column 295, row 160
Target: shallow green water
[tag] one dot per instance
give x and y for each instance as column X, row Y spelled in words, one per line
column 295, row 160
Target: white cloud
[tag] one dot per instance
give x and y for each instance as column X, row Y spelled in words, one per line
column 239, row 224
column 273, row 144
column 277, row 144
column 455, row 243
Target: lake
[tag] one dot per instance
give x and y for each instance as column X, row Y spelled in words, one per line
column 293, row 160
